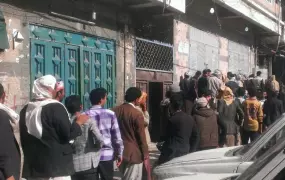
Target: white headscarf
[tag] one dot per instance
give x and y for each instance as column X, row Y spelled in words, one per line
column 42, row 91
column 14, row 117
column 43, row 87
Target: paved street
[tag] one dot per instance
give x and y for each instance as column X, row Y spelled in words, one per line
column 154, row 154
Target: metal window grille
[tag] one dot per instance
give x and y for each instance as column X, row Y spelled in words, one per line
column 153, row 55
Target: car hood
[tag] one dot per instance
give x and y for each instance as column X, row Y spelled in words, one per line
column 210, row 161
column 218, row 153
column 205, row 176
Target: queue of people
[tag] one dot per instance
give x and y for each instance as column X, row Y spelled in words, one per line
column 50, row 140
column 63, row 142
column 219, row 111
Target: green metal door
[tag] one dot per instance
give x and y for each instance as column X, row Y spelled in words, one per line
column 82, row 62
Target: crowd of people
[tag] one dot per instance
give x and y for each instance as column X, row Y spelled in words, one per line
column 212, row 110
column 52, row 140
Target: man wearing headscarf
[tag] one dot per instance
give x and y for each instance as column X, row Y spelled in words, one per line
column 228, row 111
column 142, row 107
column 46, row 131
column 272, row 85
column 10, row 148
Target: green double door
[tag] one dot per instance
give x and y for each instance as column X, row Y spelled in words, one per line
column 82, row 62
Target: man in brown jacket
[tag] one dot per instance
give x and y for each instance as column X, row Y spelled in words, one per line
column 131, row 123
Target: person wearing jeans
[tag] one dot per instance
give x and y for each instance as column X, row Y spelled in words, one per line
column 253, row 117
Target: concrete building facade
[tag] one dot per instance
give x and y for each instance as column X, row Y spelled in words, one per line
column 16, row 61
column 228, row 35
column 199, row 39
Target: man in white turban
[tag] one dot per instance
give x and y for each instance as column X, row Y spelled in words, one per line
column 46, row 131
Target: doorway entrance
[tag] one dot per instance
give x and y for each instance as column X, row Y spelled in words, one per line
column 155, row 97
column 155, row 84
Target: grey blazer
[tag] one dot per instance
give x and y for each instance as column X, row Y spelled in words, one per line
column 87, row 147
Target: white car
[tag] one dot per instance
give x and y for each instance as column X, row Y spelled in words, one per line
column 223, row 160
column 270, row 166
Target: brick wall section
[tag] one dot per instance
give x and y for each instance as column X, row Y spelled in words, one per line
column 181, row 39
column 15, row 62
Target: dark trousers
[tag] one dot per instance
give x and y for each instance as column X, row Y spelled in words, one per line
column 90, row 174
column 246, row 135
column 106, row 170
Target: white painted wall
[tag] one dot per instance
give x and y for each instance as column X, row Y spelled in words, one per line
column 253, row 14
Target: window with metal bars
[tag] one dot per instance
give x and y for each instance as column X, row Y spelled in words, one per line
column 154, row 55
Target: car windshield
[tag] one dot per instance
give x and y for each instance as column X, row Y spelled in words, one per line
column 263, row 160
column 279, row 134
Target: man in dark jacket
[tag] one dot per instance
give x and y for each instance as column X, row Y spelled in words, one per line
column 10, row 158
column 203, row 84
column 207, row 125
column 232, row 83
column 182, row 136
column 185, row 86
column 46, row 131
column 272, row 109
column 194, row 83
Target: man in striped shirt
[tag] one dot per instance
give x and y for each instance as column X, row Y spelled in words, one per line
column 108, row 125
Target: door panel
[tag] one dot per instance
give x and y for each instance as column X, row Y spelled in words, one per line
column 109, row 78
column 97, row 70
column 82, row 62
column 71, row 69
column 86, row 76
column 38, row 59
column 56, row 65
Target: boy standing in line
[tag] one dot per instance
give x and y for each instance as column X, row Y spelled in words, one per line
column 253, row 117
column 87, row 146
column 107, row 122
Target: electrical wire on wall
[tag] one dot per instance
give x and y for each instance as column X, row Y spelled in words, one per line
column 216, row 13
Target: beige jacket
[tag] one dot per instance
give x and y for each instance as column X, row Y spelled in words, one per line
column 146, row 123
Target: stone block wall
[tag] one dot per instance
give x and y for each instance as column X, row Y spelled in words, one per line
column 15, row 62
